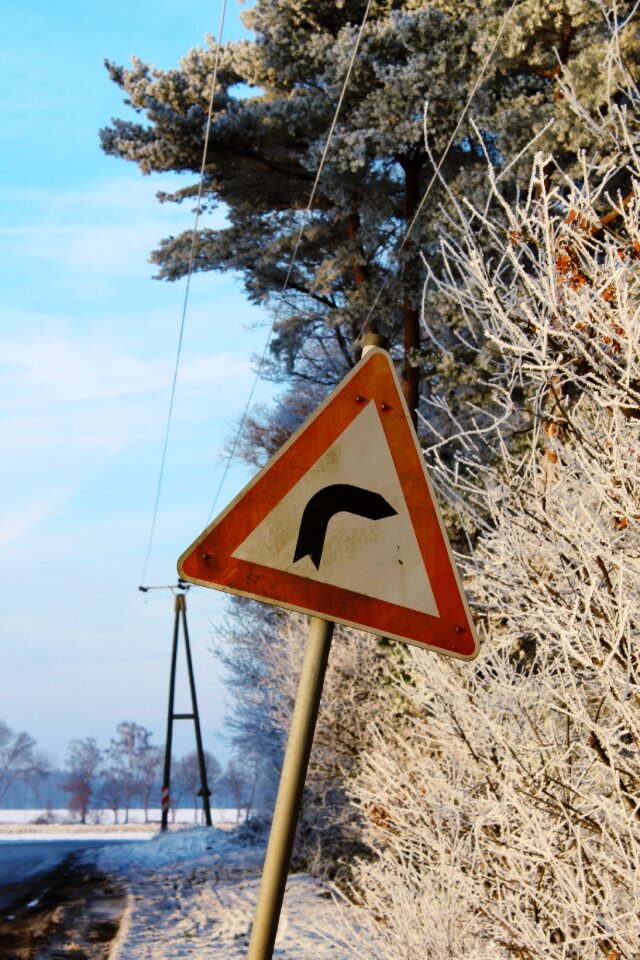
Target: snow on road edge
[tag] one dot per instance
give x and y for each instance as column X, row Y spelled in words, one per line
column 193, row 893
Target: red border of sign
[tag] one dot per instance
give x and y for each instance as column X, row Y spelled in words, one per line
column 209, row 561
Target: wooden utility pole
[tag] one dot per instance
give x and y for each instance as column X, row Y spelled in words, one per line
column 180, row 610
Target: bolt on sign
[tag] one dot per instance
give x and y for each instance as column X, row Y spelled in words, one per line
column 343, row 524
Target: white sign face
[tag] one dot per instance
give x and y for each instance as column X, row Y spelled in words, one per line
column 378, row 558
column 342, row 523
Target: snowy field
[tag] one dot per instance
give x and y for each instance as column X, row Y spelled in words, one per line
column 101, row 821
column 192, row 894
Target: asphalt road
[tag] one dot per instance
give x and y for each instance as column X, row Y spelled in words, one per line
column 22, row 861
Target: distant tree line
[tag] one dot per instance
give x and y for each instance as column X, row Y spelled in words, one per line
column 126, row 775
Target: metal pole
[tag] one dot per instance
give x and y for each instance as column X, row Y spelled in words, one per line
column 166, row 779
column 196, row 717
column 294, row 770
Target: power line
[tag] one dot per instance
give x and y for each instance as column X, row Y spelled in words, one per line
column 412, row 224
column 292, row 260
column 186, row 295
column 296, row 247
column 436, row 172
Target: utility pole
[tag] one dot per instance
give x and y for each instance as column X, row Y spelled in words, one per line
column 179, row 592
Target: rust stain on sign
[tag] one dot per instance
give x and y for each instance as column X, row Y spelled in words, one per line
column 373, row 552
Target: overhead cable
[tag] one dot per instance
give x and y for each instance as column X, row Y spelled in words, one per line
column 186, row 293
column 292, row 259
column 436, row 172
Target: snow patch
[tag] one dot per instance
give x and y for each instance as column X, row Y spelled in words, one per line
column 192, row 893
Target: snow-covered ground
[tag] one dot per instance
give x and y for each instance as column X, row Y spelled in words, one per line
column 192, row 893
column 105, row 817
column 76, row 832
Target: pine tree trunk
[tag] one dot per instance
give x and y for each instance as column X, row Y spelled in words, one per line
column 359, row 271
column 410, row 374
column 353, row 229
column 410, row 313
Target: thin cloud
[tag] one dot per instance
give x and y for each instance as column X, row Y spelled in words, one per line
column 61, row 392
column 63, row 369
column 95, row 236
column 14, row 526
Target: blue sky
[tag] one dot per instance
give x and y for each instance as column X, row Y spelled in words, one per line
column 87, row 349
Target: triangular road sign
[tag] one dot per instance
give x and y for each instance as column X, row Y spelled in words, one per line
column 342, row 523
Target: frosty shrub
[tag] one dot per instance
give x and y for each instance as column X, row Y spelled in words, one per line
column 362, row 682
column 504, row 812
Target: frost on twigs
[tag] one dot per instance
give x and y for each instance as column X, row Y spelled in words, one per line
column 505, row 811
column 361, row 683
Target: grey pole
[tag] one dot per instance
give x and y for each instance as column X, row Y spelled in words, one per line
column 294, row 770
column 204, row 788
column 371, row 340
column 180, row 607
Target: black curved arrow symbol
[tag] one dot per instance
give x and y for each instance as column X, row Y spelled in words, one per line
column 338, row 498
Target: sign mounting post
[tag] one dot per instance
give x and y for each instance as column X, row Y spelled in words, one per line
column 289, row 798
column 342, row 524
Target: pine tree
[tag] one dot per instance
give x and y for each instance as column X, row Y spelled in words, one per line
column 265, row 147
